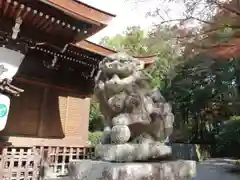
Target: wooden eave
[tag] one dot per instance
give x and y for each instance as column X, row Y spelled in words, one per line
column 44, row 22
column 82, row 11
column 93, row 47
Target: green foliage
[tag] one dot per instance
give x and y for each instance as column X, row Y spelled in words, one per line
column 132, row 41
column 235, row 118
column 203, row 92
column 228, row 140
column 95, row 122
column 115, row 43
column 236, row 162
column 94, row 137
column 203, row 151
column 199, row 154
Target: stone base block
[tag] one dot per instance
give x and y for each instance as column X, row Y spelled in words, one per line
column 132, row 152
column 100, row 170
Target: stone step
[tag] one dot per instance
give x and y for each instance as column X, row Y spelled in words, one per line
column 129, row 152
column 100, row 170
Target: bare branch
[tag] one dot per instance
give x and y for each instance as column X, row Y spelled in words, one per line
column 182, row 20
column 226, row 7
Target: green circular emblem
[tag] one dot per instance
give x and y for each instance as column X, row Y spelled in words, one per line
column 3, row 110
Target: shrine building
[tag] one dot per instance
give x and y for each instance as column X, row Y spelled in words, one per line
column 55, row 67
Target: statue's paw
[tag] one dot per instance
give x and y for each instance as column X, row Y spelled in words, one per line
column 143, row 138
column 121, row 119
column 120, row 134
column 106, row 138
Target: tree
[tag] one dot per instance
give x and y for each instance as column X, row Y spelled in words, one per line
column 115, row 43
column 132, row 41
column 204, row 81
column 214, row 20
column 157, row 41
column 228, row 140
column 203, row 92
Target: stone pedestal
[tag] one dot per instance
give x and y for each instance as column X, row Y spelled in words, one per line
column 101, row 170
column 132, row 152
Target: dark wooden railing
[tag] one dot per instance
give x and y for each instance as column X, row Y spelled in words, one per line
column 25, row 163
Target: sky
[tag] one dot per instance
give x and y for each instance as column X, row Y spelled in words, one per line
column 129, row 13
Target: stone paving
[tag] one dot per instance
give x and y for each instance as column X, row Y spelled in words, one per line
column 216, row 169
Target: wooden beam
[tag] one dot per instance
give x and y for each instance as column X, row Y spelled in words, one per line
column 39, row 83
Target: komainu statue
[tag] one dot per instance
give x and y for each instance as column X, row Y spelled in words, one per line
column 135, row 116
